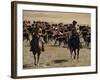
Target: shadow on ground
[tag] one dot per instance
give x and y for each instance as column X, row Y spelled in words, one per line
column 60, row 61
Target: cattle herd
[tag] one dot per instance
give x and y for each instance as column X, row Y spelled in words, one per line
column 72, row 36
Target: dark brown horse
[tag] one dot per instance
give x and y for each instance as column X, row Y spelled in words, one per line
column 37, row 45
column 74, row 45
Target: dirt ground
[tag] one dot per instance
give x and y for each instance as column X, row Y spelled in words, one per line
column 54, row 56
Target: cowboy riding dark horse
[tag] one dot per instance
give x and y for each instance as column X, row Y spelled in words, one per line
column 37, row 45
column 74, row 41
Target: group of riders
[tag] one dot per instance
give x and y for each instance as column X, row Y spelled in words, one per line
column 72, row 35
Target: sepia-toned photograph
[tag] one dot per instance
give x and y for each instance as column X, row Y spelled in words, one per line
column 56, row 39
column 53, row 39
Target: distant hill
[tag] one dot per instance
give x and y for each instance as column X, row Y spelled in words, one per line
column 56, row 17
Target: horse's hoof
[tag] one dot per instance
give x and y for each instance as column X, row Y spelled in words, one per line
column 37, row 64
column 74, row 57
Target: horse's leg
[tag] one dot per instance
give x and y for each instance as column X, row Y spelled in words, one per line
column 34, row 58
column 87, row 44
column 27, row 38
column 38, row 57
column 77, row 54
column 74, row 53
column 60, row 42
column 55, row 42
column 71, row 51
column 48, row 38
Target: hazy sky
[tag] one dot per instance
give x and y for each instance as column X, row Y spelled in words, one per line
column 56, row 17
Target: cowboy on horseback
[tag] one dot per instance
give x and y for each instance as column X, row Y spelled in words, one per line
column 74, row 41
column 37, row 45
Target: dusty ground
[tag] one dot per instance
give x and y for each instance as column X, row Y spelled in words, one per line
column 54, row 56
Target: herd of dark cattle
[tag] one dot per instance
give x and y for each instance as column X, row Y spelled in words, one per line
column 72, row 35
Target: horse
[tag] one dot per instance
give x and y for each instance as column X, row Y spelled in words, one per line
column 26, row 35
column 37, row 45
column 87, row 39
column 74, row 45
